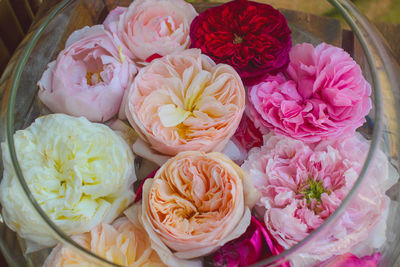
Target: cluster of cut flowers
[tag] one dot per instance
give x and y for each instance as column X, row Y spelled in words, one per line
column 199, row 95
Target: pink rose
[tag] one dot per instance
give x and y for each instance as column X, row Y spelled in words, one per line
column 124, row 242
column 148, row 29
column 325, row 95
column 350, row 260
column 302, row 185
column 88, row 78
column 184, row 101
column 196, row 203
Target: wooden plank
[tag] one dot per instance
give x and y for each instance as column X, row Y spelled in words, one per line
column 10, row 29
column 348, row 41
column 391, row 33
column 4, row 57
column 23, row 13
column 35, row 4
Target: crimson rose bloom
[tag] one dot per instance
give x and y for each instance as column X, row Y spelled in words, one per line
column 253, row 38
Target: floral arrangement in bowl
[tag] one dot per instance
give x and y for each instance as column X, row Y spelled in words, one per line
column 255, row 140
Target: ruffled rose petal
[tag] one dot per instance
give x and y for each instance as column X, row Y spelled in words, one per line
column 302, row 185
column 184, row 102
column 196, row 203
column 80, row 173
column 254, row 245
column 350, row 260
column 89, row 77
column 171, row 115
column 323, row 96
column 252, row 37
column 124, row 242
column 149, row 29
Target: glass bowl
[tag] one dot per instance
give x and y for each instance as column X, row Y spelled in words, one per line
column 20, row 107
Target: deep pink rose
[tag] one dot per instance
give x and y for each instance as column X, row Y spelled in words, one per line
column 253, row 38
column 302, row 185
column 149, row 29
column 88, row 78
column 350, row 260
column 323, row 97
column 254, row 245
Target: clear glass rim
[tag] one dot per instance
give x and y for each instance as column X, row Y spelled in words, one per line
column 65, row 239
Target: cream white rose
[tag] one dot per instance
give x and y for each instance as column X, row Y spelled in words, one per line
column 79, row 172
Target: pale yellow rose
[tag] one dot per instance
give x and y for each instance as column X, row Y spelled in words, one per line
column 80, row 173
column 184, row 101
column 196, row 203
column 123, row 243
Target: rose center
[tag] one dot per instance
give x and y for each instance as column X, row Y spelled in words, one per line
column 93, row 78
column 237, row 39
column 313, row 190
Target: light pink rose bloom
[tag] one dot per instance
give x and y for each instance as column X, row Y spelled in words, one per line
column 88, row 78
column 302, row 185
column 123, row 242
column 196, row 203
column 350, row 260
column 149, row 29
column 184, row 101
column 323, row 97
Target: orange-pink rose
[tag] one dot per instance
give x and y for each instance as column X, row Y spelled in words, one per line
column 185, row 101
column 196, row 203
column 124, row 243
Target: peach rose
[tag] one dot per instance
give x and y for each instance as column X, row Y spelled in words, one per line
column 124, row 243
column 196, row 203
column 151, row 28
column 185, row 101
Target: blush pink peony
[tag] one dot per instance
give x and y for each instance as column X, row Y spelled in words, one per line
column 148, row 29
column 184, row 101
column 123, row 242
column 302, row 185
column 88, row 78
column 323, row 95
column 196, row 203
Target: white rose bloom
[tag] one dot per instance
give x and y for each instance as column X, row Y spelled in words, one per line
column 79, row 172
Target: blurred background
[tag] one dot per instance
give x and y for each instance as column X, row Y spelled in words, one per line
column 16, row 17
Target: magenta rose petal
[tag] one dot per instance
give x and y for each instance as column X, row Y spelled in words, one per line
column 139, row 191
column 253, row 38
column 254, row 245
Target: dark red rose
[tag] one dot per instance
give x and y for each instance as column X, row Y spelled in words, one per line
column 139, row 191
column 247, row 135
column 253, row 38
